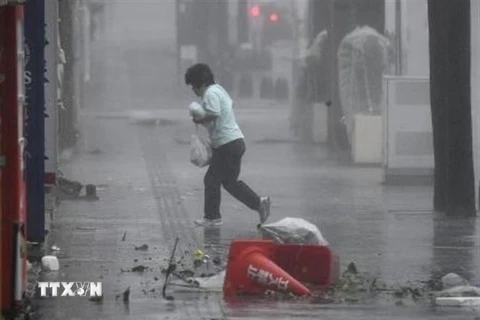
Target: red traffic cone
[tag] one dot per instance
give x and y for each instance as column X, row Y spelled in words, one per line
column 250, row 270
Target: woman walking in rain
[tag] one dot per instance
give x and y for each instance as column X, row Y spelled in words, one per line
column 228, row 148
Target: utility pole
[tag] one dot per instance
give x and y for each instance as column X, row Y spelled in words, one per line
column 450, row 95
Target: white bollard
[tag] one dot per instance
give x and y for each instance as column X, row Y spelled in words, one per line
column 320, row 123
column 367, row 139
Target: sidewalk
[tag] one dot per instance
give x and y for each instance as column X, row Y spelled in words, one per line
column 90, row 234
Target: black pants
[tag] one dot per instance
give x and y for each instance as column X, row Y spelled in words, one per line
column 224, row 170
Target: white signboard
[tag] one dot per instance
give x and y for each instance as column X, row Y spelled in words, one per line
column 51, row 103
column 408, row 139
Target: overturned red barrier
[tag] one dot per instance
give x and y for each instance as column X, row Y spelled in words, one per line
column 314, row 265
column 255, row 266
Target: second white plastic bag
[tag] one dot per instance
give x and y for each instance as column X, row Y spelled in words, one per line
column 200, row 151
column 293, row 231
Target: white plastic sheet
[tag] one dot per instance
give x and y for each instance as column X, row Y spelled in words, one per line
column 457, row 292
column 293, row 231
column 206, row 284
column 363, row 57
column 458, row 302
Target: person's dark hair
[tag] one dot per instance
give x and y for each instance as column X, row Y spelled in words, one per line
column 199, row 74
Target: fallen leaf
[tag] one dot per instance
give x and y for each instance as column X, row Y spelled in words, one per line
column 143, row 247
column 352, row 268
column 217, row 261
column 139, row 268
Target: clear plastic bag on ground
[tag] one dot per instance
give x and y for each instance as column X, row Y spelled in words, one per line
column 293, row 231
column 200, row 151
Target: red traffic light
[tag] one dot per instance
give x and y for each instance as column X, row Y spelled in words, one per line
column 255, row 11
column 273, row 17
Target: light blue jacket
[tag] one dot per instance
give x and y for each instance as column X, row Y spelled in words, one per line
column 224, row 128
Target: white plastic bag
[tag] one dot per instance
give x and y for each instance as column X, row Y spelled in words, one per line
column 196, row 110
column 200, row 151
column 293, row 231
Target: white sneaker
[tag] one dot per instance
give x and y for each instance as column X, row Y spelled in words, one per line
column 208, row 222
column 264, row 210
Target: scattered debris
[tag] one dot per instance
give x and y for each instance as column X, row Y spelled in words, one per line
column 198, row 254
column 126, row 295
column 91, row 192
column 197, row 263
column 124, row 236
column 207, row 275
column 139, row 268
column 217, row 261
column 97, row 299
column 24, row 311
column 69, row 188
column 143, row 247
column 354, row 286
column 170, row 269
column 352, row 268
